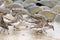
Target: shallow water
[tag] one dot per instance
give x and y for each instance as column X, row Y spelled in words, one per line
column 27, row 34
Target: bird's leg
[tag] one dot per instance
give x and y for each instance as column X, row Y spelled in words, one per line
column 44, row 31
column 14, row 28
column 7, row 31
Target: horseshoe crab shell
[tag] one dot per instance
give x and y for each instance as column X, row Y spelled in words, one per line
column 29, row 1
column 45, row 8
column 29, row 5
column 20, row 10
column 57, row 19
column 34, row 10
column 48, row 14
column 4, row 10
column 50, row 4
column 17, row 5
column 2, row 2
column 8, row 3
column 56, row 9
column 54, row 0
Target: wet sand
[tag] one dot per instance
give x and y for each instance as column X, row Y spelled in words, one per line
column 27, row 34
